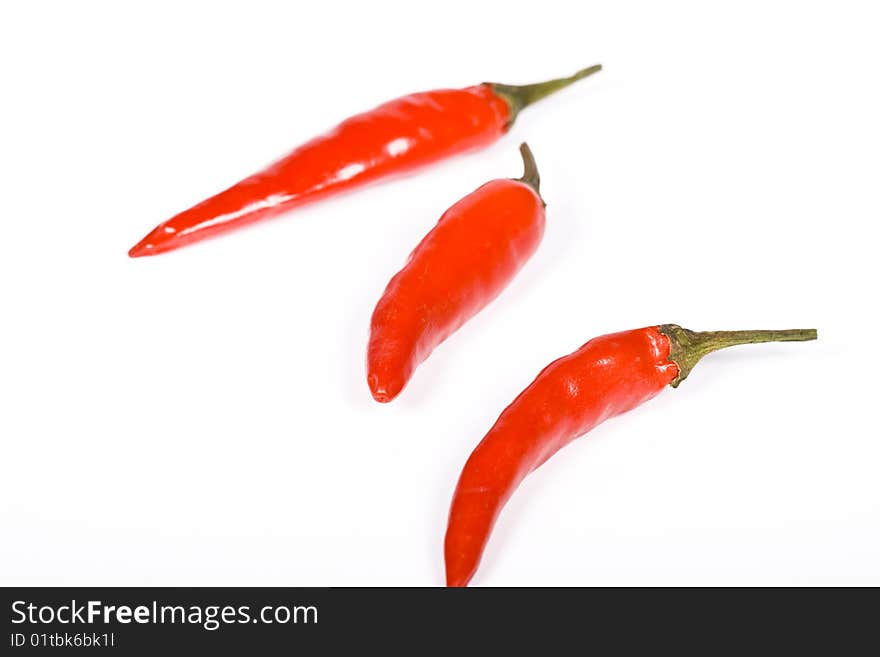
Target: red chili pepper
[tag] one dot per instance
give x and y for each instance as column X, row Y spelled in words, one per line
column 468, row 258
column 607, row 376
column 396, row 137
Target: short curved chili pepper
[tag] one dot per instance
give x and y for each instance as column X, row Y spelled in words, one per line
column 465, row 261
column 607, row 376
column 396, row 137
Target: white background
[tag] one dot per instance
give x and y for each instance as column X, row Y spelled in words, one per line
column 202, row 417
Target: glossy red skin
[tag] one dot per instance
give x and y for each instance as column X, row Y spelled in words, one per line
column 468, row 258
column 607, row 376
column 394, row 138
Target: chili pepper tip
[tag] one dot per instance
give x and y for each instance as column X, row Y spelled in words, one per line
column 457, row 583
column 145, row 247
column 139, row 250
column 159, row 240
column 382, row 393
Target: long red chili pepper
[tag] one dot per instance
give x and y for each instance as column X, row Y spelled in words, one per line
column 607, row 376
column 468, row 258
column 396, row 137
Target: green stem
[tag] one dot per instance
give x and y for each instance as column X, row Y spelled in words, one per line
column 688, row 347
column 518, row 97
column 530, row 176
